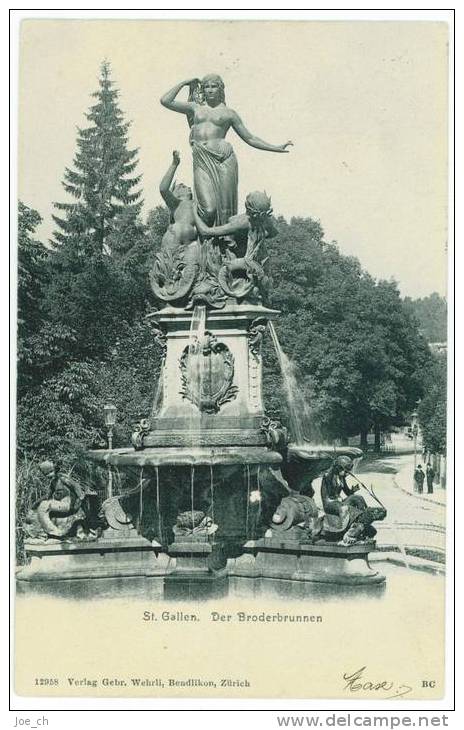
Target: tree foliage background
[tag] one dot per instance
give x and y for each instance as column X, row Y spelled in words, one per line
column 431, row 314
column 83, row 338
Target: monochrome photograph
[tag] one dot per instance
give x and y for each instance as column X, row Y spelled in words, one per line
column 231, row 365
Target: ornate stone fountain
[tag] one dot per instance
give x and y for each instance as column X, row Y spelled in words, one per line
column 223, row 489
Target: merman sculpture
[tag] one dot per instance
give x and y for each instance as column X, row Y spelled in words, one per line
column 349, row 519
column 344, row 521
column 242, row 268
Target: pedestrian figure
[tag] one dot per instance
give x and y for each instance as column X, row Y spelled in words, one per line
column 430, row 473
column 419, row 477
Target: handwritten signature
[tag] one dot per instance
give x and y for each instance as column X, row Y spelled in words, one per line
column 357, row 681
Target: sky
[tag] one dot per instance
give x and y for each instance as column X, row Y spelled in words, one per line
column 365, row 104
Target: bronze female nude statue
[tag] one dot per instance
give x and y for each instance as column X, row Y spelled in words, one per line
column 215, row 172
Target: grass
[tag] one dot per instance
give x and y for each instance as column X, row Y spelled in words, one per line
column 377, row 463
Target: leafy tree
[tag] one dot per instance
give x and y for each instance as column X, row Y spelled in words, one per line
column 431, row 315
column 358, row 350
column 157, row 223
column 93, row 298
column 65, row 415
column 432, row 409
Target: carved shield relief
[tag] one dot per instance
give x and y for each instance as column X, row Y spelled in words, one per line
column 207, row 372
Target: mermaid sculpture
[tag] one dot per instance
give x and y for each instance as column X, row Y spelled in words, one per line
column 176, row 265
column 184, row 271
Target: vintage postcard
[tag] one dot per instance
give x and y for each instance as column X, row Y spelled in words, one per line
column 231, row 465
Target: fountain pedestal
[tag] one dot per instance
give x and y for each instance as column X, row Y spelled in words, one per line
column 212, row 397
column 191, row 555
column 107, row 557
column 320, row 563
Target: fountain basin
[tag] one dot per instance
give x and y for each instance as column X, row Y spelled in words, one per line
column 187, row 456
column 232, row 311
column 305, row 462
column 133, row 551
column 313, row 458
column 309, row 451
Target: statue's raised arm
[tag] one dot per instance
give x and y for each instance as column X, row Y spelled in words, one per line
column 215, row 170
column 169, row 98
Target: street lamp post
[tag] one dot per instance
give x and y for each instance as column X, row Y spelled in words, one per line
column 110, row 420
column 414, row 433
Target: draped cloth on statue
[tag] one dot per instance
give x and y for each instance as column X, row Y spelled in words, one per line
column 215, row 175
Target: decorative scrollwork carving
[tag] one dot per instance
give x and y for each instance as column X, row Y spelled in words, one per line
column 256, row 333
column 174, row 272
column 276, row 434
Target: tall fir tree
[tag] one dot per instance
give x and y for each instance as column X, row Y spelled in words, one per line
column 96, row 279
column 107, row 201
